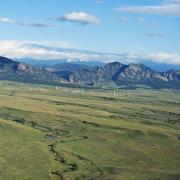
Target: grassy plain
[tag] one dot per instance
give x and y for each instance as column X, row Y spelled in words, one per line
column 66, row 134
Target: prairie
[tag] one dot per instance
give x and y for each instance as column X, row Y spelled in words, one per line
column 66, row 133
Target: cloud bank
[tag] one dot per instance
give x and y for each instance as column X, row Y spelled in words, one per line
column 61, row 51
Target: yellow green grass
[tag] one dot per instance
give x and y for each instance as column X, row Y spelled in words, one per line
column 63, row 134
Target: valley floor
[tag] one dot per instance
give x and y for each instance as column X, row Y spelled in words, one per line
column 49, row 133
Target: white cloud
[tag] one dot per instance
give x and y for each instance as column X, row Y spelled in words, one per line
column 44, row 50
column 55, row 50
column 36, row 24
column 165, row 58
column 168, row 7
column 80, row 18
column 31, row 49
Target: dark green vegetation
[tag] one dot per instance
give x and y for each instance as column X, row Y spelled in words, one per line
column 69, row 134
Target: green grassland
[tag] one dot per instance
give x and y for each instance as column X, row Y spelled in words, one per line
column 66, row 134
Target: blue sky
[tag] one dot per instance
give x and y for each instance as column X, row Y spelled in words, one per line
column 134, row 29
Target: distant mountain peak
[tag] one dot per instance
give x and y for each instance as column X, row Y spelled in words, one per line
column 5, row 60
column 123, row 74
column 116, row 72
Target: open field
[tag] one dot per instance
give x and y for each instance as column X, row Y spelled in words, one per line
column 91, row 134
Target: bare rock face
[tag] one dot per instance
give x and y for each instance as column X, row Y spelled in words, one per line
column 22, row 67
column 98, row 74
column 26, row 68
column 116, row 72
column 113, row 68
column 136, row 71
column 141, row 72
column 86, row 76
column 172, row 75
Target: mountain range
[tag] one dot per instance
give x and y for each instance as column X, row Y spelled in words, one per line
column 12, row 70
column 81, row 74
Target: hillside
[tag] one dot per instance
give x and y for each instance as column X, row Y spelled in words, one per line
column 118, row 73
column 12, row 70
column 133, row 74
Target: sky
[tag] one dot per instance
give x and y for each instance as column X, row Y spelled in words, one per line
column 122, row 30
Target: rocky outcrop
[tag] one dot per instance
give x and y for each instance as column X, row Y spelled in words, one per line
column 12, row 70
column 172, row 74
column 115, row 72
